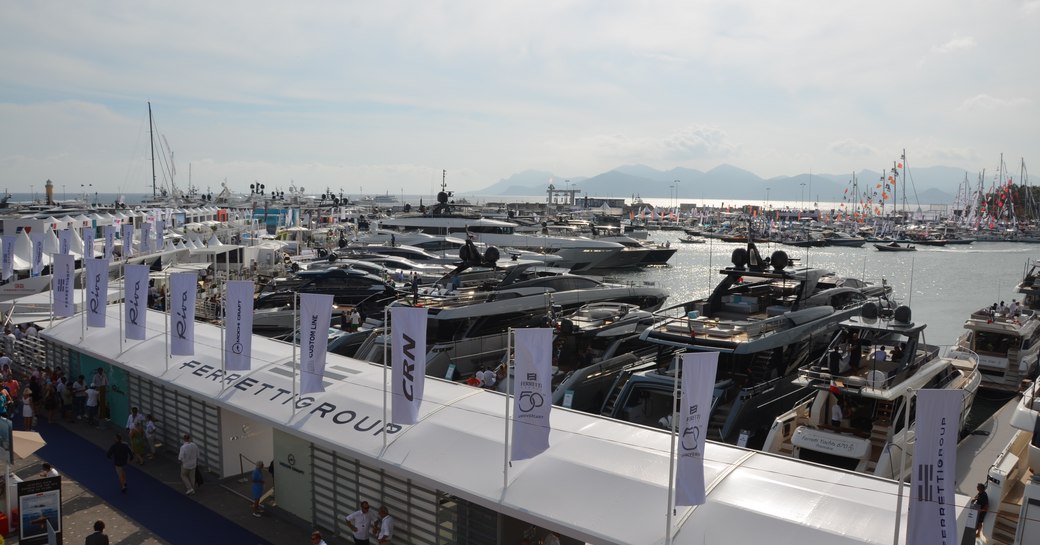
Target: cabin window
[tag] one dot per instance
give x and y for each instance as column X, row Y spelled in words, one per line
column 992, row 343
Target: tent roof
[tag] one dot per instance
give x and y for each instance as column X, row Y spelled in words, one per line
column 601, row 480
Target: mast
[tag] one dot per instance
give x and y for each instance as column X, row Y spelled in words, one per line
column 151, row 141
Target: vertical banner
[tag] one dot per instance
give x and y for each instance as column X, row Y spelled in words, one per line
column 62, row 268
column 37, row 254
column 933, row 513
column 110, row 240
column 135, row 280
column 64, row 241
column 238, row 325
column 315, row 315
column 698, row 383
column 88, row 243
column 97, row 291
column 183, row 288
column 532, row 395
column 128, row 238
column 408, row 362
column 160, row 228
column 8, row 242
column 146, row 238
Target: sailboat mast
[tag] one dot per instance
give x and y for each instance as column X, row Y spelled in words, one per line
column 151, row 141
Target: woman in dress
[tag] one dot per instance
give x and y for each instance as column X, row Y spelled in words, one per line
column 27, row 409
column 258, row 487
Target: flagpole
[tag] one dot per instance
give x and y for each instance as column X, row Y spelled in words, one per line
column 122, row 300
column 296, row 330
column 902, row 465
column 509, row 390
column 83, row 301
column 222, row 312
column 166, row 320
column 671, row 457
column 386, row 367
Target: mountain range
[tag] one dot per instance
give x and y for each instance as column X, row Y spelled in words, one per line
column 930, row 185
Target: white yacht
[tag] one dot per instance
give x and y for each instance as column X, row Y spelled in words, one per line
column 1007, row 346
column 874, row 394
column 575, row 253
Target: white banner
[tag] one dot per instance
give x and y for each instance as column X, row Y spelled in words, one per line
column 532, row 391
column 110, row 236
column 37, row 254
column 698, row 383
column 135, row 280
column 64, row 240
column 146, row 240
column 160, row 228
column 62, row 268
column 97, row 291
column 88, row 243
column 408, row 362
column 8, row 242
column 315, row 315
column 238, row 325
column 933, row 514
column 183, row 287
column 128, row 238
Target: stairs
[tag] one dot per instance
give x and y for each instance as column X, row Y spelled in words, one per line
column 879, row 432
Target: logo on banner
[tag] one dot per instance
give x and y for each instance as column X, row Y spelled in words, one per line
column 95, row 294
column 135, row 303
column 408, row 368
column 237, row 346
column 530, row 396
column 182, row 314
column 692, row 431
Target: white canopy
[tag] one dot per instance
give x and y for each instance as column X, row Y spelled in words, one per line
column 601, row 480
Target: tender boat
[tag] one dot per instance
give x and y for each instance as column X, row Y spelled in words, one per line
column 895, row 247
column 872, row 433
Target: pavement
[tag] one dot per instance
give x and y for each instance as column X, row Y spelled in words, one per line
column 155, row 509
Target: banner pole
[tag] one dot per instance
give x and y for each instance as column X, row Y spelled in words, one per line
column 222, row 312
column 166, row 321
column 509, row 390
column 83, row 302
column 902, row 465
column 122, row 300
column 296, row 330
column 671, row 456
column 386, row 368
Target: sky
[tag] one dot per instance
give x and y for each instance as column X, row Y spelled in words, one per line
column 374, row 97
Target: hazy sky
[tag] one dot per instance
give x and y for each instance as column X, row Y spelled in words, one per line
column 380, row 96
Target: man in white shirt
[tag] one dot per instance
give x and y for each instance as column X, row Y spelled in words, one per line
column 361, row 523
column 48, row 471
column 836, row 414
column 134, row 418
column 189, row 459
column 386, row 527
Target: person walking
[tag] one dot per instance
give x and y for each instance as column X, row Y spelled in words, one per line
column 258, row 488
column 361, row 523
column 981, row 503
column 189, row 459
column 91, row 405
column 133, row 418
column 120, row 454
column 98, row 537
column 385, row 526
column 151, row 433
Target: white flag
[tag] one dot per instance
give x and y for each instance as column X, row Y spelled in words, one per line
column 408, row 362
column 183, row 287
column 532, row 395
column 62, row 266
column 933, row 514
column 110, row 235
column 146, row 239
column 97, row 291
column 128, row 239
column 160, row 227
column 37, row 254
column 135, row 280
column 88, row 243
column 8, row 242
column 698, row 383
column 64, row 240
column 238, row 325
column 315, row 315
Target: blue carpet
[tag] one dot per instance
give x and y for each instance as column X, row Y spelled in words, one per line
column 163, row 511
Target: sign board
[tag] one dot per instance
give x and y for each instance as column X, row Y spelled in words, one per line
column 39, row 503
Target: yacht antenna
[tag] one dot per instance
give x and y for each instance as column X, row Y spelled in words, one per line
column 444, row 180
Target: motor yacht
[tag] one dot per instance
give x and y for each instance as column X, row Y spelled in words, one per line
column 1007, row 344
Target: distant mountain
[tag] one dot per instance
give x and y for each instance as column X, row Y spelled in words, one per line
column 931, row 185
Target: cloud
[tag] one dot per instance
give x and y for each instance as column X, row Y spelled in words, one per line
column 851, row 148
column 984, row 102
column 954, row 45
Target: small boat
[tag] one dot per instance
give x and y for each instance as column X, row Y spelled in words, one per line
column 931, row 241
column 895, row 247
column 691, row 240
